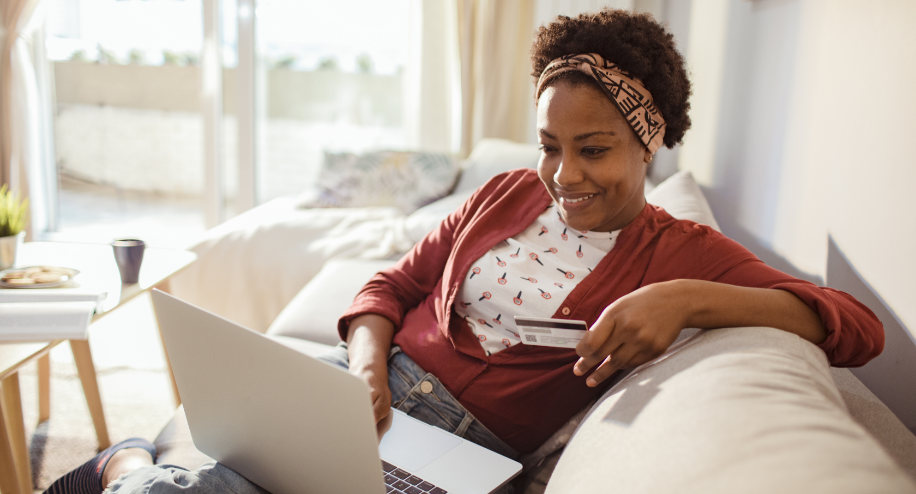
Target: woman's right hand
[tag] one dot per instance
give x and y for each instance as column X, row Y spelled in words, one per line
column 368, row 343
column 377, row 379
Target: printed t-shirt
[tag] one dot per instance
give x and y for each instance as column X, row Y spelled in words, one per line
column 529, row 275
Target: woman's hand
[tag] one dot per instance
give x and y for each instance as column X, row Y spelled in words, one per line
column 633, row 330
column 377, row 379
column 641, row 325
column 368, row 343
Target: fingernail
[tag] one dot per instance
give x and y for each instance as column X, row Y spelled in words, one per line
column 591, row 382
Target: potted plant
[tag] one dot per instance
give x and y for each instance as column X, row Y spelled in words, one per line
column 12, row 223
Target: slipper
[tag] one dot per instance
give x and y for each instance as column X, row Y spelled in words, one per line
column 87, row 478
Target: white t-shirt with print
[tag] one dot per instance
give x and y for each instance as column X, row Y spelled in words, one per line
column 529, row 274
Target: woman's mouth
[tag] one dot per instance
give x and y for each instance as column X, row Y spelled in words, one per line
column 574, row 201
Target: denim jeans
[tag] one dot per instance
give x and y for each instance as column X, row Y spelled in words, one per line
column 438, row 408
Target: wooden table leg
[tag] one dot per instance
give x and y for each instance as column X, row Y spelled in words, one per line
column 15, row 431
column 86, row 369
column 44, row 388
column 9, row 479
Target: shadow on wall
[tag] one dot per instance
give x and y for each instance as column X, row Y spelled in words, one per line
column 736, row 232
column 892, row 375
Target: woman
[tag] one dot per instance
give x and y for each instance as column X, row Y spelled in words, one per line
column 575, row 240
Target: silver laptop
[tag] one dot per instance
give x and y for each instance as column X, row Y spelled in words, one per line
column 293, row 424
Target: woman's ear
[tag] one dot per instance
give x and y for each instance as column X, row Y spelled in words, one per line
column 648, row 157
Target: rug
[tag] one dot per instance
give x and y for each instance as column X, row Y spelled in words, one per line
column 134, row 385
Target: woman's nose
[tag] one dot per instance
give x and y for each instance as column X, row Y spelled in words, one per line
column 568, row 172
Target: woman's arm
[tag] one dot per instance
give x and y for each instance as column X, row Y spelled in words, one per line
column 642, row 325
column 368, row 344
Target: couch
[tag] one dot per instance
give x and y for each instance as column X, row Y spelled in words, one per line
column 728, row 410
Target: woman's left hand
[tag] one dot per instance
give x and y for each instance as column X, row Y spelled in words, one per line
column 633, row 330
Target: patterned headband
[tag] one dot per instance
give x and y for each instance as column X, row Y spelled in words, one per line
column 628, row 94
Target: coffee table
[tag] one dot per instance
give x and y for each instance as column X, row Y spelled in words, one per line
column 98, row 273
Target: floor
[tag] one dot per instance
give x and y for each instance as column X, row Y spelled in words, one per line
column 134, row 385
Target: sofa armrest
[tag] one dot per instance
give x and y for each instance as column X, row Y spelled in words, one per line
column 735, row 410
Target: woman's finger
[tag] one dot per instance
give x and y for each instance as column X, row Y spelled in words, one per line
column 595, row 346
column 613, row 363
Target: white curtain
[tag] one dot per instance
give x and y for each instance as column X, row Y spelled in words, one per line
column 21, row 115
column 494, row 43
column 432, row 92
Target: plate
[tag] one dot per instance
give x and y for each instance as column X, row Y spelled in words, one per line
column 55, row 275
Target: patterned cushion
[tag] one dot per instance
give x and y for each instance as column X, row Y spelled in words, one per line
column 403, row 180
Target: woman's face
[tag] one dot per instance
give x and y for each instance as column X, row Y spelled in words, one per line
column 592, row 163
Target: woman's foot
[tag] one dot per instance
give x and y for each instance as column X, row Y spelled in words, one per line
column 92, row 477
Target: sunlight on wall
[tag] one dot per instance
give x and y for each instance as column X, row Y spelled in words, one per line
column 705, row 60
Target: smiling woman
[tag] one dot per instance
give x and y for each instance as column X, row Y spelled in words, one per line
column 593, row 165
column 577, row 241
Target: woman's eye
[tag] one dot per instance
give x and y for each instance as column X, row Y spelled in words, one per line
column 546, row 149
column 593, row 151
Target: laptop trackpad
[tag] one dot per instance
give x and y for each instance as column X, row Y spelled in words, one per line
column 411, row 444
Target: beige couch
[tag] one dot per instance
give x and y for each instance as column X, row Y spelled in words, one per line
column 729, row 410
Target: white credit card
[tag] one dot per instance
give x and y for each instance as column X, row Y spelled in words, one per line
column 542, row 331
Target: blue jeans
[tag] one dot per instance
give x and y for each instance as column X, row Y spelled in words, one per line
column 438, row 408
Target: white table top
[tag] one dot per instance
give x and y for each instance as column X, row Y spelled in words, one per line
column 98, row 273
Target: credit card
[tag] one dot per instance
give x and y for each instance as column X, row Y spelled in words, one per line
column 542, row 331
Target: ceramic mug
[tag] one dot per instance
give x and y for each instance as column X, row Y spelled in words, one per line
column 128, row 253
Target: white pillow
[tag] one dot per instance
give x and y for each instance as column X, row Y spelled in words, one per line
column 405, row 180
column 682, row 198
column 492, row 157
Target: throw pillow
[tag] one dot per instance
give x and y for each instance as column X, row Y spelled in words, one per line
column 682, row 198
column 405, row 180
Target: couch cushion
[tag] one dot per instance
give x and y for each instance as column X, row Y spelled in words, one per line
column 682, row 198
column 736, row 410
column 866, row 409
column 491, row 157
column 313, row 313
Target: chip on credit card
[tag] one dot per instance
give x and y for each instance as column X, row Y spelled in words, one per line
column 542, row 331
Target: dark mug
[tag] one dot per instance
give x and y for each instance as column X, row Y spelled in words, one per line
column 128, row 253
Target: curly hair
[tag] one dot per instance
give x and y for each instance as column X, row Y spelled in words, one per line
column 636, row 43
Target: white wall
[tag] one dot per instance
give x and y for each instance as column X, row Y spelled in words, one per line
column 811, row 118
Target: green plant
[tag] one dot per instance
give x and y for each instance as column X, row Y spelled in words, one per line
column 328, row 63
column 364, row 63
column 79, row 56
column 136, row 57
column 13, row 212
column 171, row 58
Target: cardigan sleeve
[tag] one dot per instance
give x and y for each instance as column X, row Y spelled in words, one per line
column 395, row 290
column 854, row 333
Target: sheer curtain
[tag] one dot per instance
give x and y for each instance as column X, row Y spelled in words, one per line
column 21, row 111
column 494, row 42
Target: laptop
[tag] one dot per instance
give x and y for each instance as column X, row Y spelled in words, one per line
column 291, row 423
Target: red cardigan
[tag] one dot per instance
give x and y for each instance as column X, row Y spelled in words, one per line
column 524, row 393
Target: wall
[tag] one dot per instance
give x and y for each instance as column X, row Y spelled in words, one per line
column 803, row 131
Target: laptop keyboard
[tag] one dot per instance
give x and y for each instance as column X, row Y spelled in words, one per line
column 398, row 481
